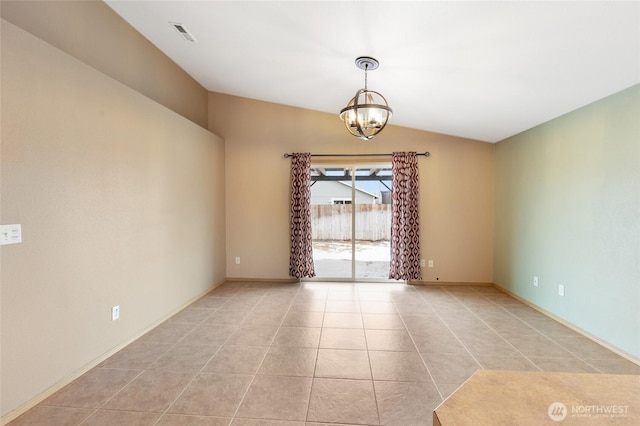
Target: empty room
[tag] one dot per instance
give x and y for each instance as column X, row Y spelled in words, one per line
column 306, row 213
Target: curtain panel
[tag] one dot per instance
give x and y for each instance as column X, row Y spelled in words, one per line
column 405, row 229
column 301, row 254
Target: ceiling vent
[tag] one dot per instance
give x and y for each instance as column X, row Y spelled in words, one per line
column 184, row 32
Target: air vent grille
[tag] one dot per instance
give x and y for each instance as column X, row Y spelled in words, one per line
column 185, row 33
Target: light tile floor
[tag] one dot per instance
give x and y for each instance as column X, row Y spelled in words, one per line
column 255, row 354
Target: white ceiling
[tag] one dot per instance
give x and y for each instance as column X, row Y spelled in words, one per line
column 481, row 70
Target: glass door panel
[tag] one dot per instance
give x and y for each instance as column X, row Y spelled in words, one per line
column 372, row 218
column 331, row 220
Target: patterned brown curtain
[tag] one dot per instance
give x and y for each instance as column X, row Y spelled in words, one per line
column 301, row 255
column 405, row 229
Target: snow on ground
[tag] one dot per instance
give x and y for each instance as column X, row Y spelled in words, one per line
column 341, row 250
column 332, row 259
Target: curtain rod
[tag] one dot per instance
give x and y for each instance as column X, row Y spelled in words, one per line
column 287, row 155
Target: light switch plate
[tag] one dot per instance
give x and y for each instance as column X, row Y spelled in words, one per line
column 10, row 234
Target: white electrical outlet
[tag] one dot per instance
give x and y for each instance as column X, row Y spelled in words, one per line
column 430, row 263
column 535, row 281
column 237, row 260
column 422, row 263
column 560, row 290
column 115, row 312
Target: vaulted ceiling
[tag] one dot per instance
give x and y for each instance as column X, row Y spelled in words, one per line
column 481, row 70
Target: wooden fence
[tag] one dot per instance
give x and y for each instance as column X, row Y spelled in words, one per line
column 333, row 222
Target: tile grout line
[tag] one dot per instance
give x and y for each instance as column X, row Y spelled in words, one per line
column 488, row 326
column 197, row 374
column 418, row 350
column 143, row 370
column 519, row 319
column 552, row 339
column 244, row 395
column 366, row 343
column 313, row 379
column 500, row 334
column 454, row 335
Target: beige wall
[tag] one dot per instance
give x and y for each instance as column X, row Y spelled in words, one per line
column 456, row 204
column 92, row 32
column 568, row 211
column 121, row 201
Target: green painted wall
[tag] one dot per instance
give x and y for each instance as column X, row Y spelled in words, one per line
column 567, row 209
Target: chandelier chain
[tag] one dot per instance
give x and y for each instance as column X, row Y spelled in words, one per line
column 366, row 67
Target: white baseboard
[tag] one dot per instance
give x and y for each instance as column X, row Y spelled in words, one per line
column 448, row 283
column 262, row 280
column 573, row 327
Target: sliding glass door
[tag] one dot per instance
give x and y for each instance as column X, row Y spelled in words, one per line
column 351, row 220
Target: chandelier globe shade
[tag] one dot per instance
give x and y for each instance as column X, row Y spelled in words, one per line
column 368, row 112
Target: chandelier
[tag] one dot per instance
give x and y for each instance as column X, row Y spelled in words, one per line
column 367, row 112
